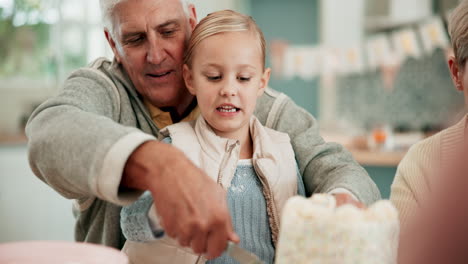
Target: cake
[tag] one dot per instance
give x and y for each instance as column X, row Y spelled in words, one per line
column 314, row 230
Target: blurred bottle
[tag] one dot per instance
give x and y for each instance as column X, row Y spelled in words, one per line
column 381, row 138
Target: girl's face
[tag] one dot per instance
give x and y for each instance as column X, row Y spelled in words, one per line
column 227, row 76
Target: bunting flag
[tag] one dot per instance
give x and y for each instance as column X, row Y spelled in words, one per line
column 311, row 61
column 290, row 63
column 433, row 35
column 331, row 61
column 379, row 52
column 353, row 60
column 302, row 61
column 384, row 51
column 405, row 44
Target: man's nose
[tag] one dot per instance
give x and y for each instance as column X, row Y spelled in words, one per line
column 156, row 53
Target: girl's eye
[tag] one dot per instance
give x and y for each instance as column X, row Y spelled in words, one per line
column 214, row 78
column 244, row 79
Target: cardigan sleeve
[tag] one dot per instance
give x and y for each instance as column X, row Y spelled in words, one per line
column 402, row 195
column 76, row 144
column 411, row 182
column 135, row 223
column 139, row 221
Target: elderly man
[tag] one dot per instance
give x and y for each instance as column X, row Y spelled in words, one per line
column 95, row 142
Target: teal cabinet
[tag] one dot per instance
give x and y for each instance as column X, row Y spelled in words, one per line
column 383, row 177
column 296, row 22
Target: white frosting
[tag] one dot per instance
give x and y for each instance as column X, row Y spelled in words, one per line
column 314, row 230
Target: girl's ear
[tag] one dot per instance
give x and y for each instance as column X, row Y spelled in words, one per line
column 264, row 81
column 455, row 73
column 188, row 78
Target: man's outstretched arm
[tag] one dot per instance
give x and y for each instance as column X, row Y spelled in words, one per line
column 192, row 207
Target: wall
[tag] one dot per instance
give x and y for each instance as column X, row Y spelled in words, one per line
column 204, row 7
column 297, row 22
column 16, row 103
column 341, row 25
column 383, row 178
column 29, row 209
column 423, row 96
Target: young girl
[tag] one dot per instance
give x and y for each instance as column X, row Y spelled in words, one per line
column 225, row 69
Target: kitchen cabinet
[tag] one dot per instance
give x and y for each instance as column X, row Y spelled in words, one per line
column 204, row 7
column 29, row 209
column 302, row 28
column 383, row 178
column 381, row 167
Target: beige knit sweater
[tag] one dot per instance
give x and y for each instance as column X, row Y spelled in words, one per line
column 416, row 172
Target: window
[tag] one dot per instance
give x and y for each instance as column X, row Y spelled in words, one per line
column 44, row 40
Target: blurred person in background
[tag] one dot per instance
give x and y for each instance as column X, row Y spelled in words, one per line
column 430, row 184
column 437, row 230
column 96, row 140
column 413, row 179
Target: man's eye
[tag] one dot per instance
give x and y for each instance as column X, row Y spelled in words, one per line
column 168, row 33
column 243, row 79
column 214, row 78
column 135, row 40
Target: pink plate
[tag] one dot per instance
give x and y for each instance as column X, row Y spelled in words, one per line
column 59, row 252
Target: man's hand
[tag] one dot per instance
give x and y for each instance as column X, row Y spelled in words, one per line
column 192, row 206
column 344, row 198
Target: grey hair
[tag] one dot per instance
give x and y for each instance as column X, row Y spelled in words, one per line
column 458, row 30
column 107, row 9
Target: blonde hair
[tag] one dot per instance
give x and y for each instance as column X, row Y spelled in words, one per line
column 221, row 22
column 458, row 30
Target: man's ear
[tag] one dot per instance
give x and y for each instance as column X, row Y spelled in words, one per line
column 188, row 78
column 112, row 44
column 192, row 16
column 264, row 81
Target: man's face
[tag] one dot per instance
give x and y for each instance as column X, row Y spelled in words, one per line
column 149, row 41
